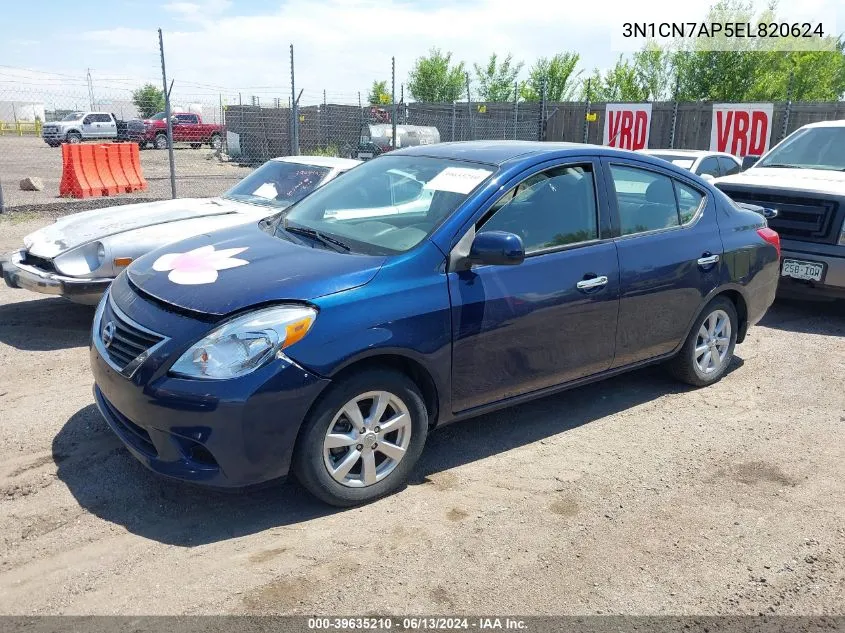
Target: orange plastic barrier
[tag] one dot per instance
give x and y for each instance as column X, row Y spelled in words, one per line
column 100, row 170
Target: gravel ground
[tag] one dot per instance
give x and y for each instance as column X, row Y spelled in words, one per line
column 197, row 173
column 633, row 496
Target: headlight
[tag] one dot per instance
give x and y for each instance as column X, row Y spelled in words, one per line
column 81, row 261
column 246, row 343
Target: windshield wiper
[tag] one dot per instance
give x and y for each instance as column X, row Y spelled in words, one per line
column 318, row 236
column 784, row 166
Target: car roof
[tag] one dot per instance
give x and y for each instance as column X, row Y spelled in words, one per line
column 321, row 161
column 692, row 153
column 837, row 123
column 499, row 152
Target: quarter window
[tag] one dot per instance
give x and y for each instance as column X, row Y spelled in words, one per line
column 556, row 207
column 645, row 199
column 689, row 200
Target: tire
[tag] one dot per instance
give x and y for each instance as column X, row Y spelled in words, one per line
column 215, row 142
column 160, row 141
column 690, row 364
column 74, row 138
column 196, row 145
column 312, row 458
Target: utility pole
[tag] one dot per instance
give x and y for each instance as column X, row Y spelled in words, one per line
column 393, row 96
column 294, row 110
column 586, row 112
column 515, row 108
column 469, row 110
column 90, row 89
column 167, row 116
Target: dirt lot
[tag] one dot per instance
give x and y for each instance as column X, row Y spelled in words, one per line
column 197, row 175
column 635, row 496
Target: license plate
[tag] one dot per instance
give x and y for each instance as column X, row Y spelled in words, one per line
column 802, row 270
column 365, row 154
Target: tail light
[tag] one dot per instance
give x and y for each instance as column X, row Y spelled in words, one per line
column 771, row 237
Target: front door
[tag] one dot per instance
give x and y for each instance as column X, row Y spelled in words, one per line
column 551, row 319
column 670, row 254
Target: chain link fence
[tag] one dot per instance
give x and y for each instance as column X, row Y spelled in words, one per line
column 219, row 134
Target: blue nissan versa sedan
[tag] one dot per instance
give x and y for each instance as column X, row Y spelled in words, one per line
column 425, row 286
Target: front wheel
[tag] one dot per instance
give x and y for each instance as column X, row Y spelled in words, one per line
column 161, row 141
column 362, row 439
column 709, row 348
column 74, row 138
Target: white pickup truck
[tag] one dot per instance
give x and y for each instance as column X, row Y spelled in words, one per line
column 803, row 179
column 80, row 126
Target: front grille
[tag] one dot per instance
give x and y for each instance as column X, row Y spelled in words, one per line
column 127, row 340
column 129, row 431
column 41, row 263
column 799, row 218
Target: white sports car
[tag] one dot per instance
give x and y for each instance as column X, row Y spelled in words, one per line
column 79, row 255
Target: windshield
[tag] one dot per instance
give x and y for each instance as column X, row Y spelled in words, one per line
column 387, row 205
column 814, row 148
column 158, row 116
column 676, row 159
column 278, row 184
column 73, row 116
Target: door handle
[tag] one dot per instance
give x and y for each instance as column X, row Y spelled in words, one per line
column 707, row 260
column 589, row 284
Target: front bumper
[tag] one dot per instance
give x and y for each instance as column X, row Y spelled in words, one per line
column 832, row 285
column 16, row 274
column 228, row 433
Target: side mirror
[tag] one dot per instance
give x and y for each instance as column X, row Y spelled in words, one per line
column 497, row 248
column 749, row 161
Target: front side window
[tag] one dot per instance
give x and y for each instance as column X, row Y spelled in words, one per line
column 556, row 207
column 277, row 184
column 729, row 166
column 387, row 205
column 88, row 120
column 645, row 199
column 709, row 166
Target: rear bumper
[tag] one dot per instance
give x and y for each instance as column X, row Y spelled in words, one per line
column 832, row 285
column 19, row 275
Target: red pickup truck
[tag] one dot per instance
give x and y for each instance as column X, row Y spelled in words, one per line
column 187, row 128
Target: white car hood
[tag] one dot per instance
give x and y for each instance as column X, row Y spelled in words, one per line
column 80, row 228
column 822, row 180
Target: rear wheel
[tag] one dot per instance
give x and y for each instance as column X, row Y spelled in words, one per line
column 196, row 145
column 216, row 142
column 362, row 439
column 709, row 348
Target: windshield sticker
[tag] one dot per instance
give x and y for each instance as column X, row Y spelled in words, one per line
column 457, row 179
column 198, row 266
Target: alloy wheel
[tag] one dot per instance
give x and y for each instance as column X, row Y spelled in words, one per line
column 367, row 439
column 713, row 342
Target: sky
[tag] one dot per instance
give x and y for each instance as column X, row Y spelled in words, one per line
column 218, row 49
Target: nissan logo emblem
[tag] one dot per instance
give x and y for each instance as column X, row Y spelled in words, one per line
column 108, row 333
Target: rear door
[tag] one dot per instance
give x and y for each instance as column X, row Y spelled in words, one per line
column 670, row 252
column 551, row 319
column 108, row 126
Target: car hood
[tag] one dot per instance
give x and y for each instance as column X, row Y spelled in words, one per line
column 244, row 266
column 80, row 228
column 819, row 180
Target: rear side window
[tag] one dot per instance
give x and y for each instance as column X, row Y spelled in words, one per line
column 645, row 199
column 729, row 167
column 103, row 118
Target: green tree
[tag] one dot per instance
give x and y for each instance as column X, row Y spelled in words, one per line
column 559, row 75
column 654, row 70
column 149, row 100
column 620, row 83
column 801, row 75
column 434, row 79
column 497, row 81
column 379, row 94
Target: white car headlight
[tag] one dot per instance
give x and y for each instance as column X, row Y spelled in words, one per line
column 245, row 343
column 81, row 261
